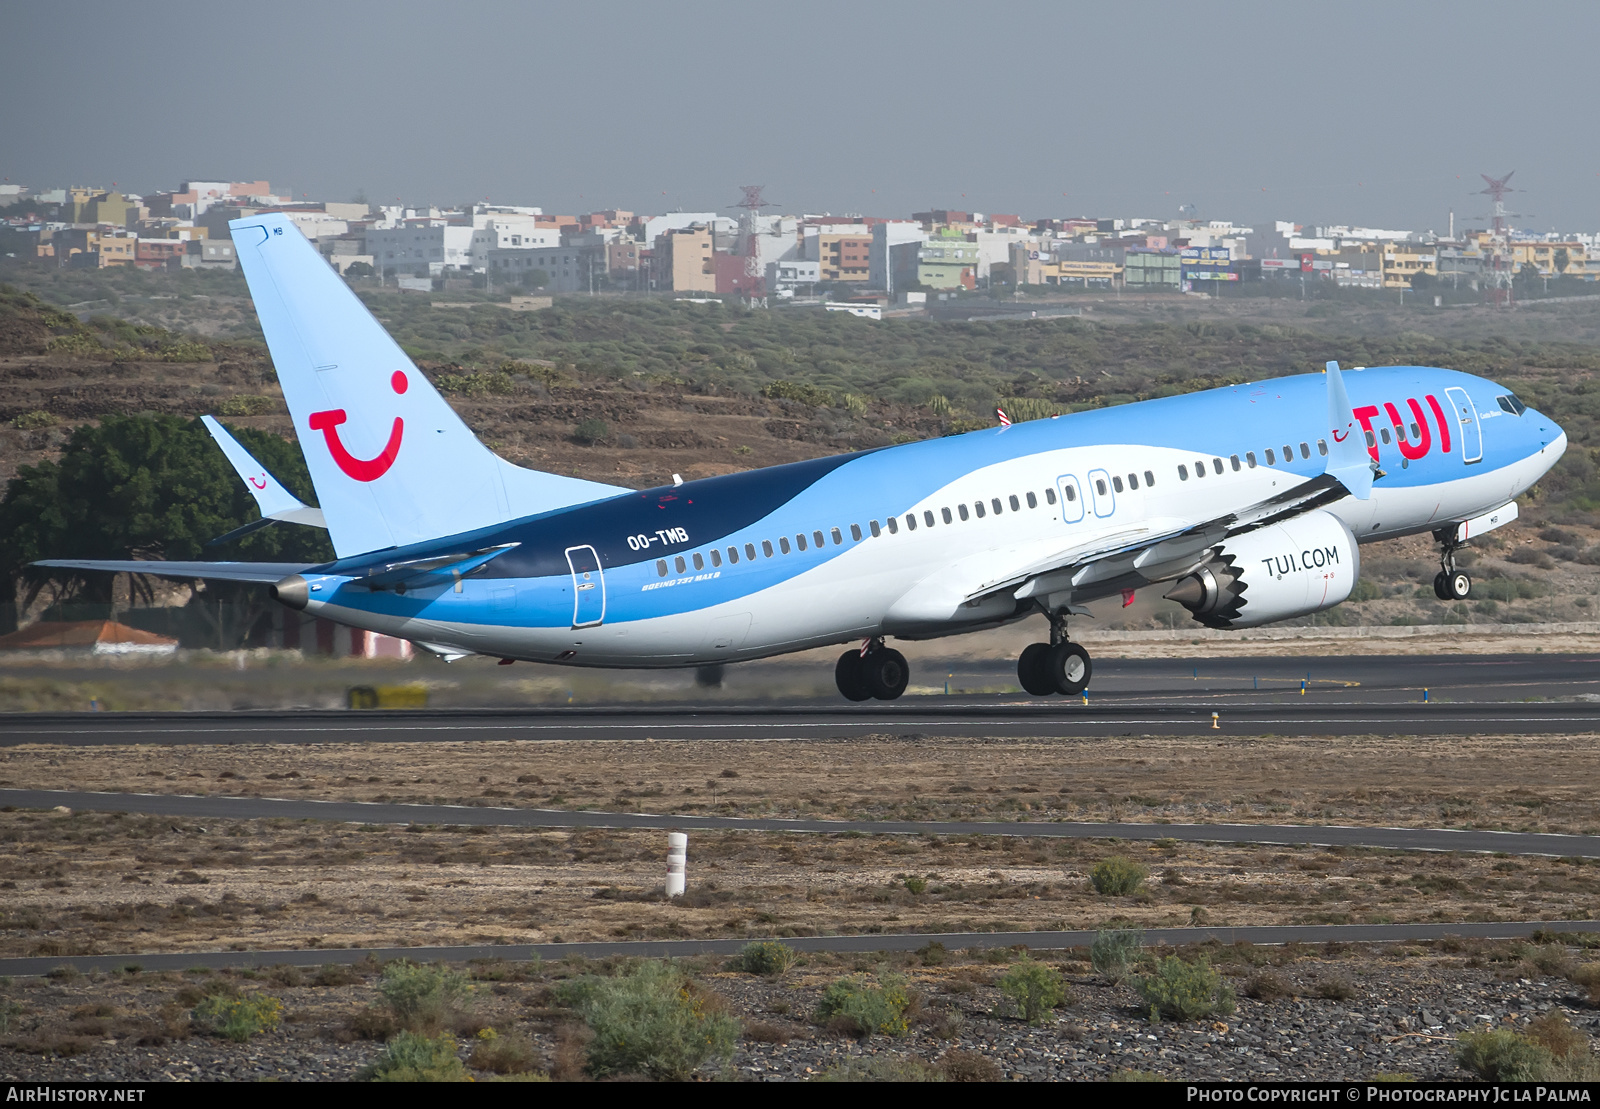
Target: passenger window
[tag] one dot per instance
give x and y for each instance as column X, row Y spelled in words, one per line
column 1149, row 479
column 977, row 506
column 911, row 520
column 1133, row 481
column 1305, row 450
column 699, row 563
column 894, row 525
column 1233, row 458
column 816, row 537
column 1015, row 507
column 855, row 532
column 716, row 557
column 750, row 550
column 1371, row 442
column 1050, row 495
column 733, row 556
column 1272, row 459
column 1322, row 447
column 874, row 528
column 1099, row 483
column 783, row 543
column 1249, row 459
column 661, row 567
column 961, row 508
column 927, row 516
column 1288, row 453
column 1033, row 502
column 1116, row 483
column 678, row 564
column 994, row 503
column 1216, row 464
column 945, row 512
column 1072, row 494
column 1416, row 432
column 838, row 540
column 800, row 540
column 1183, row 472
column 1384, row 432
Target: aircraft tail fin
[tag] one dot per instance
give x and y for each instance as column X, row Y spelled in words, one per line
column 391, row 461
column 1347, row 445
column 272, row 500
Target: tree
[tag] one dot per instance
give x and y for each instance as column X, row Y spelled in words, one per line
column 150, row 487
column 536, row 279
column 1562, row 259
column 359, row 269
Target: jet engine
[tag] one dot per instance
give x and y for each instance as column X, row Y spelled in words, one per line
column 1290, row 569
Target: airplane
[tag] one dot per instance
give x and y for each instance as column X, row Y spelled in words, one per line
column 1250, row 502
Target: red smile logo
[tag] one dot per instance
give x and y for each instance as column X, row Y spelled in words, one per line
column 362, row 469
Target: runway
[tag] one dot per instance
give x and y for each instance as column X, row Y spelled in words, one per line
column 1363, row 695
column 872, row 942
column 267, row 808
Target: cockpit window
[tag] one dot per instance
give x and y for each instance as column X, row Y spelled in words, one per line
column 1511, row 404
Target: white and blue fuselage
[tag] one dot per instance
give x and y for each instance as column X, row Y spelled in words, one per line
column 921, row 540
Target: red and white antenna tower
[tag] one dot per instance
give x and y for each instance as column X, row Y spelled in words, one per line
column 755, row 282
column 1499, row 288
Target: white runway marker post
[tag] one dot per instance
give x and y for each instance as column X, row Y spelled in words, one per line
column 677, row 861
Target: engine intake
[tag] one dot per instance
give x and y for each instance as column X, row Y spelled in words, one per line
column 1279, row 572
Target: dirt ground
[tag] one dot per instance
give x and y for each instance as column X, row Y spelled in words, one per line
column 82, row 882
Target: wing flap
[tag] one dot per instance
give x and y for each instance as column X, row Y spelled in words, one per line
column 266, row 573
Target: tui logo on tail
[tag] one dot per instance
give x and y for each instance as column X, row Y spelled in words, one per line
column 361, row 469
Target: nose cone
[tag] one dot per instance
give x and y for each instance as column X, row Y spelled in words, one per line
column 292, row 592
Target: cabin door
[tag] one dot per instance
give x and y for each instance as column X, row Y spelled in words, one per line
column 588, row 587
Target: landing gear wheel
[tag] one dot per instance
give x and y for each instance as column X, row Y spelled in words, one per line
column 848, row 675
column 1458, row 586
column 1441, row 586
column 1033, row 670
column 1069, row 668
column 886, row 673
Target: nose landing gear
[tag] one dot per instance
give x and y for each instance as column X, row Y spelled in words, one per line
column 1450, row 584
column 880, row 672
column 1059, row 666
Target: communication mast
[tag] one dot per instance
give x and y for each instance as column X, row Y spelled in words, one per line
column 1498, row 290
column 755, row 282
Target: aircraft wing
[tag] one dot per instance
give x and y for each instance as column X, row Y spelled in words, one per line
column 265, row 572
column 274, row 501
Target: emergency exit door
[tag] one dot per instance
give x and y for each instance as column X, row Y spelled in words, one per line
column 588, row 587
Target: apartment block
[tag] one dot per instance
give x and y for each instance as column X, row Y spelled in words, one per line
column 683, row 260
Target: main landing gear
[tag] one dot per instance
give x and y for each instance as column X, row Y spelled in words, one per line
column 879, row 671
column 1059, row 666
column 1450, row 584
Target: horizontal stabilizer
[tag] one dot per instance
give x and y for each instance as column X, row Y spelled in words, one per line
column 266, row 572
column 438, row 567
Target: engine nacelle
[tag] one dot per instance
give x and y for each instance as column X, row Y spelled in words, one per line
column 1290, row 569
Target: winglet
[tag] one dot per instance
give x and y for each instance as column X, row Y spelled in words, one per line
column 1347, row 447
column 274, row 501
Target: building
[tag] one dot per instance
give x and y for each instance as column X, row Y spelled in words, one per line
column 118, row 250
column 946, row 260
column 566, row 269
column 1402, row 262
column 1151, row 269
column 90, row 206
column 423, row 246
column 1102, row 275
column 208, row 254
column 624, row 263
column 846, row 257
column 158, row 254
column 683, row 260
column 1551, row 259
column 783, row 278
column 886, row 236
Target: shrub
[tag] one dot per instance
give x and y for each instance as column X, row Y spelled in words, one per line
column 933, row 955
column 969, row 1066
column 33, row 421
column 422, row 999
column 767, row 958
column 1185, row 991
column 9, row 1012
column 1500, row 1055
column 915, row 884
column 591, row 430
column 850, row 1005
column 1034, row 988
column 1117, row 876
column 237, row 1018
column 1335, row 989
column 1556, row 1035
column 1114, row 953
column 805, row 394
column 1267, row 986
column 651, row 1021
column 1588, row 976
column 247, row 404
column 413, row 1058
column 502, row 1054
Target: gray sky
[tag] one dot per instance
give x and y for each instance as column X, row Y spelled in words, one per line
column 1377, row 113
